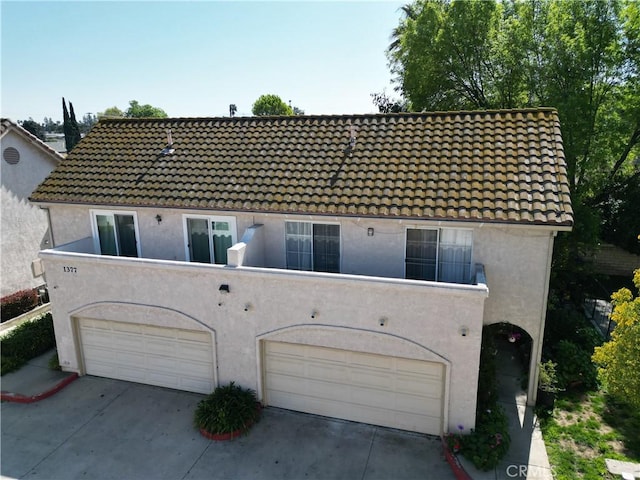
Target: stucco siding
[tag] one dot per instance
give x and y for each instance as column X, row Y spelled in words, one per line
column 24, row 226
column 262, row 305
column 515, row 258
column 515, row 262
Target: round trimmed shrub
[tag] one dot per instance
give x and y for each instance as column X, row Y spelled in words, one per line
column 230, row 408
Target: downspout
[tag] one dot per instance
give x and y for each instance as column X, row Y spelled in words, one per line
column 535, row 359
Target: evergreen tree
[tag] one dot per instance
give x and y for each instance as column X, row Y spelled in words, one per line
column 66, row 126
column 75, row 128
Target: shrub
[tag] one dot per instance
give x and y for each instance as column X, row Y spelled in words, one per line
column 574, row 366
column 489, row 442
column 548, row 377
column 54, row 362
column 487, row 382
column 228, row 409
column 27, row 341
column 18, row 303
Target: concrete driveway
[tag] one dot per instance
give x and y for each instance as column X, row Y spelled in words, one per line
column 98, row 428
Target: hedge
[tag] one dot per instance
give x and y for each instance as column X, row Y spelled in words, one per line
column 18, row 303
column 27, row 341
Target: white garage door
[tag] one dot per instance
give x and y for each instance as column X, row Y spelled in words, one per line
column 166, row 357
column 381, row 390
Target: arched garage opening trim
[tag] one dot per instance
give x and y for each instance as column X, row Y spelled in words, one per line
column 101, row 310
column 432, row 356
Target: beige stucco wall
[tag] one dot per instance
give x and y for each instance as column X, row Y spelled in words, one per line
column 424, row 321
column 515, row 258
column 273, row 304
column 24, row 227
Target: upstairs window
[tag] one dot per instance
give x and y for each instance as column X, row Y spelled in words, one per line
column 208, row 238
column 115, row 233
column 313, row 246
column 442, row 255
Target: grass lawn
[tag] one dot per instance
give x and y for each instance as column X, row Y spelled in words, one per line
column 586, row 428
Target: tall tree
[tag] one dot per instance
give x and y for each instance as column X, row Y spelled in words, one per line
column 111, row 112
column 88, row 121
column 271, row 105
column 619, row 358
column 66, row 127
column 33, row 128
column 580, row 57
column 136, row 110
column 75, row 128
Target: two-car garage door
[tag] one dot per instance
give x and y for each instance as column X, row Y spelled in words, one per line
column 166, row 357
column 381, row 390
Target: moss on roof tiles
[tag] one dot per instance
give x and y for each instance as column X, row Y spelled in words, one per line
column 413, row 165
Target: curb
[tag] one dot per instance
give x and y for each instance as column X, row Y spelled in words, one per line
column 19, row 398
column 458, row 470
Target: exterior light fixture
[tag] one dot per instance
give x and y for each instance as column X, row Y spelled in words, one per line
column 464, row 331
column 370, row 232
column 314, row 314
column 159, row 219
column 224, row 288
column 383, row 321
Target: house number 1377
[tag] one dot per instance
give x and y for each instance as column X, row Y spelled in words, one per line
column 69, row 269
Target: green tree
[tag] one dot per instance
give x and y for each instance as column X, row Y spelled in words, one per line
column 88, row 121
column 271, row 105
column 136, row 110
column 33, row 127
column 111, row 112
column 50, row 126
column 74, row 127
column 66, row 127
column 580, row 57
column 619, row 358
column 386, row 104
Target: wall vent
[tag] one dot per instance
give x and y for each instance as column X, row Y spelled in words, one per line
column 11, row 155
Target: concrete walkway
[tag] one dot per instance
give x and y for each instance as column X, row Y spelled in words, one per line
column 34, row 381
column 527, row 456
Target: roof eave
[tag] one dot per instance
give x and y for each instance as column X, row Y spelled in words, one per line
column 566, row 225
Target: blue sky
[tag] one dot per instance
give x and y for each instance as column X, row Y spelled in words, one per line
column 193, row 58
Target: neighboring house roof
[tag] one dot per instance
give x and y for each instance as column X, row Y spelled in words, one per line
column 7, row 125
column 490, row 166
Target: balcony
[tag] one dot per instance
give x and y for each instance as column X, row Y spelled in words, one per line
column 246, row 255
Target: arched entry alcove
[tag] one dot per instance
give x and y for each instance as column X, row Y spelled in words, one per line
column 512, row 350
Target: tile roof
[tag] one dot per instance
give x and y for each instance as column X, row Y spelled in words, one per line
column 490, row 166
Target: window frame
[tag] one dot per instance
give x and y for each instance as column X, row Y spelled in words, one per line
column 112, row 213
column 210, row 219
column 312, row 223
column 439, row 231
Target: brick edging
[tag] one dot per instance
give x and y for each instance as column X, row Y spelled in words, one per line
column 19, row 398
column 458, row 470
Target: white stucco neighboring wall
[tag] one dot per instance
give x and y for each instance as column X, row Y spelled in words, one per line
column 24, row 226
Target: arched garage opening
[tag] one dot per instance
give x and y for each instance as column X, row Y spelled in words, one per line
column 355, row 375
column 145, row 344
